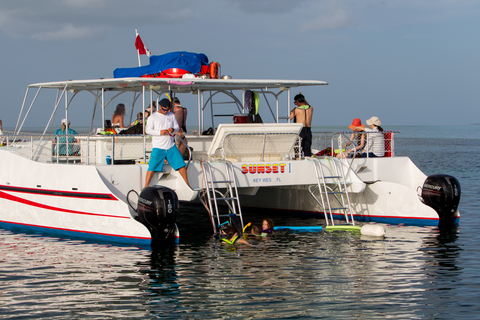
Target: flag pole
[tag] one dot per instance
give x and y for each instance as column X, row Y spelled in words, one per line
column 138, row 53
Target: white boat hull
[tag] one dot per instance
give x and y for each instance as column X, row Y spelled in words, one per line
column 378, row 194
column 71, row 200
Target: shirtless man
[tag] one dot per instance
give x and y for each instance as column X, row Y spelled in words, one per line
column 303, row 114
column 181, row 115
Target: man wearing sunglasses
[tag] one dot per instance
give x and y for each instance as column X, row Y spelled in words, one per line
column 162, row 126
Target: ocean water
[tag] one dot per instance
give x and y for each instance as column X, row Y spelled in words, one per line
column 414, row 273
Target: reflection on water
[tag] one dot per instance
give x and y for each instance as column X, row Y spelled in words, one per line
column 409, row 274
column 414, row 273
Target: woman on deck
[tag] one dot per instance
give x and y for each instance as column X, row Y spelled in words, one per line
column 117, row 117
column 375, row 139
column 357, row 137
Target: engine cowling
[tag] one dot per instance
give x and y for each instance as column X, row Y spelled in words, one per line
column 442, row 193
column 158, row 210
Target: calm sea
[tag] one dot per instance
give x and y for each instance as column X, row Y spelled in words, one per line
column 414, row 273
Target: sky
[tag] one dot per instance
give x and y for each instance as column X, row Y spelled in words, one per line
column 409, row 62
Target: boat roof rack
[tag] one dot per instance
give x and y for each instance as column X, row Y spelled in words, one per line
column 137, row 84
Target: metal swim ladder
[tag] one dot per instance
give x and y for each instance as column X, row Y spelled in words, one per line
column 214, row 195
column 336, row 178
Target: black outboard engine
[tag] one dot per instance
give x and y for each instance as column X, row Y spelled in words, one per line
column 442, row 193
column 158, row 209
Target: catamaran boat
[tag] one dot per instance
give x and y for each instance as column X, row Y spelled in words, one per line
column 93, row 187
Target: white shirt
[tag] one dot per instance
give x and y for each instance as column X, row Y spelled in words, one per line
column 158, row 122
column 375, row 142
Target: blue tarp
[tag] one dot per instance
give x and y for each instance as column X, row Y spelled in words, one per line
column 189, row 61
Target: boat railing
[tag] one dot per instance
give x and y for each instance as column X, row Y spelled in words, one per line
column 80, row 148
column 259, row 146
column 130, row 149
column 339, row 143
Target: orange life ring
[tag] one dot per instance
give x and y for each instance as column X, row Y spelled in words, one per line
column 214, row 70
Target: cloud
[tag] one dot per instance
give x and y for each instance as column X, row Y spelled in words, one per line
column 74, row 19
column 67, row 32
column 51, row 20
column 267, row 6
column 327, row 17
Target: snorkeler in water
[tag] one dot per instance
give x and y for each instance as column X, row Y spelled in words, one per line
column 232, row 236
column 267, row 226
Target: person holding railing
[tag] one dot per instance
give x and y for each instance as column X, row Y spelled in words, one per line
column 162, row 125
column 65, row 137
column 357, row 137
column 375, row 139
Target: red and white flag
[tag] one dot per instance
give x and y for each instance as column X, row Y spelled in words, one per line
column 140, row 46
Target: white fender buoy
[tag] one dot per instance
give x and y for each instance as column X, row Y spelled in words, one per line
column 373, row 230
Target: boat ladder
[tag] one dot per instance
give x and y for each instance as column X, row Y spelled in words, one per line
column 214, row 195
column 331, row 185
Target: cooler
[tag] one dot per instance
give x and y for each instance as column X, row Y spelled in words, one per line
column 239, row 118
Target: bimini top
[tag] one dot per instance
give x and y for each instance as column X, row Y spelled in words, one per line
column 180, row 84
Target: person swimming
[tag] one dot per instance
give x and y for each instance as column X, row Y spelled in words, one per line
column 267, row 226
column 256, row 229
column 232, row 236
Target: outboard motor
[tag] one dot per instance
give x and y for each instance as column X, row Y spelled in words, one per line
column 158, row 209
column 442, row 193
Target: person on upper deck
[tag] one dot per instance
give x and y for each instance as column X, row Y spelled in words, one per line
column 357, row 137
column 117, row 117
column 375, row 139
column 303, row 114
column 65, row 138
column 162, row 125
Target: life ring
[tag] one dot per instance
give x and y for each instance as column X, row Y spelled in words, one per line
column 173, row 73
column 214, row 70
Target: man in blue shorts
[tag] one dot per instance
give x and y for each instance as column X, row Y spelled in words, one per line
column 161, row 126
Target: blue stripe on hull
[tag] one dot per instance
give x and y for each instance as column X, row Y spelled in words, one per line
column 419, row 222
column 100, row 238
column 300, row 228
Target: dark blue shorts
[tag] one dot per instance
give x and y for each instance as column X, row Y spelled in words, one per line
column 158, row 156
column 370, row 155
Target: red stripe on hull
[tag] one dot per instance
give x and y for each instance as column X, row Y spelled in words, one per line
column 47, row 207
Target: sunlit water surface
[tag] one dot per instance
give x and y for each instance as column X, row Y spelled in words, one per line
column 414, row 273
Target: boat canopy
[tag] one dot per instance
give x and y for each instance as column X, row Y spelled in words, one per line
column 188, row 61
column 182, row 85
column 157, row 86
